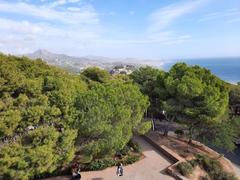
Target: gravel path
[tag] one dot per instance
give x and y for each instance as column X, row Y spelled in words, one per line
column 150, row 168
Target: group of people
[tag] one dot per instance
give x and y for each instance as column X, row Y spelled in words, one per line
column 77, row 176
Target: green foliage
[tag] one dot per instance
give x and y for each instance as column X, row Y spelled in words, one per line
column 144, row 127
column 179, row 132
column 107, row 115
column 96, row 74
column 131, row 159
column 131, row 147
column 234, row 94
column 39, row 152
column 193, row 96
column 126, row 150
column 35, row 94
column 234, row 98
column 102, row 114
column 137, row 148
column 86, row 159
column 185, row 168
column 146, row 78
column 221, row 134
column 214, row 168
column 99, row 164
column 9, row 121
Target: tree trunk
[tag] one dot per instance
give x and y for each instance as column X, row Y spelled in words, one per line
column 190, row 134
column 165, row 132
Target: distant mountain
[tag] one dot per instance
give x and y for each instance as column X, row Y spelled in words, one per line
column 76, row 64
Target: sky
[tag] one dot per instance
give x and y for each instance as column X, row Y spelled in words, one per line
column 155, row 29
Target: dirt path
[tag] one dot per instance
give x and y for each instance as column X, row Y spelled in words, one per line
column 150, row 168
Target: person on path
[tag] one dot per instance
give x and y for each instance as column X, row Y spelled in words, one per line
column 119, row 169
column 76, row 173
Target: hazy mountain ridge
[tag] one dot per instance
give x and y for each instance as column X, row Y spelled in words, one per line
column 77, row 64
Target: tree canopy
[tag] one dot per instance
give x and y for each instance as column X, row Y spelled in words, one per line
column 190, row 94
column 46, row 111
column 146, row 78
column 194, row 95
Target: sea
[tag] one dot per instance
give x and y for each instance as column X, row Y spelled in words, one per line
column 227, row 69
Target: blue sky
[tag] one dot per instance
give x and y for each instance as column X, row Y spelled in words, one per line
column 169, row 29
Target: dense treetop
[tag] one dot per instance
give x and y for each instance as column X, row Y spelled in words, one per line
column 190, row 95
column 46, row 111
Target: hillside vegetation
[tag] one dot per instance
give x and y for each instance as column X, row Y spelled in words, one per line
column 47, row 115
column 194, row 97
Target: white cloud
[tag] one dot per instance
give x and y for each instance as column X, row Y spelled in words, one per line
column 231, row 15
column 161, row 19
column 74, row 1
column 47, row 27
column 167, row 37
column 57, row 3
column 85, row 15
column 74, row 9
column 19, row 27
column 165, row 16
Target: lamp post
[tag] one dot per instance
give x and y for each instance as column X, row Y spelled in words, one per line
column 163, row 112
column 153, row 126
column 165, row 124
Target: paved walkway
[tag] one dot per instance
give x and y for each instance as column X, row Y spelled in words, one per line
column 150, row 168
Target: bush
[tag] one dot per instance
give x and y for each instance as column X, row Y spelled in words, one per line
column 86, row 159
column 144, row 127
column 136, row 147
column 194, row 163
column 100, row 164
column 131, row 159
column 125, row 150
column 204, row 178
column 179, row 133
column 214, row 168
column 185, row 168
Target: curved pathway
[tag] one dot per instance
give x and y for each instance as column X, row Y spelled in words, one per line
column 152, row 167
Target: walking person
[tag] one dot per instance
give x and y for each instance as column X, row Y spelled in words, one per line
column 76, row 173
column 119, row 169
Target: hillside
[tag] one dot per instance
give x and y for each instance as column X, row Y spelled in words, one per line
column 77, row 64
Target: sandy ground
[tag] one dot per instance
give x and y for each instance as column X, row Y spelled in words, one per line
column 152, row 167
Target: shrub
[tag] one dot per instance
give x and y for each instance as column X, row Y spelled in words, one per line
column 185, row 168
column 125, row 150
column 204, row 178
column 214, row 168
column 86, row 159
column 194, row 163
column 136, row 147
column 131, row 159
column 179, row 133
column 100, row 164
column 225, row 176
column 144, row 127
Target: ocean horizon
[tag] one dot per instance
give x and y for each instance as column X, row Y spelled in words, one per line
column 227, row 69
